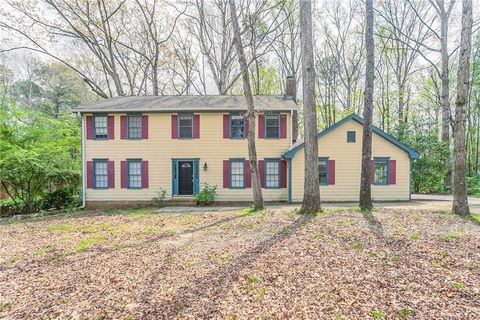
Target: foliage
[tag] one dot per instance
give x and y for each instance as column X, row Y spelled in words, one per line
column 61, row 198
column 38, row 153
column 160, row 197
column 473, row 186
column 207, row 195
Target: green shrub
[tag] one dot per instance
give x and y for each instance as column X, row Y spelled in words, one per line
column 159, row 199
column 207, row 195
column 60, row 198
column 473, row 186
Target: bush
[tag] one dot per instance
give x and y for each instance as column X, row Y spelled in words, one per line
column 159, row 199
column 473, row 186
column 207, row 195
column 60, row 198
column 8, row 207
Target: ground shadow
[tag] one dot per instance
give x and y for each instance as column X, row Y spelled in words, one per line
column 211, row 288
column 374, row 224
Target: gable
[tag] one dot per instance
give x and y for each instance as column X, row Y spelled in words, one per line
column 353, row 117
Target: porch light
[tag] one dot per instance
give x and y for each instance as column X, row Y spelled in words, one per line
column 205, row 167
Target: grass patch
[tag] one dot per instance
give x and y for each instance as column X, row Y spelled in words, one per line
column 42, row 251
column 377, row 314
column 4, row 307
column 14, row 259
column 405, row 312
column 414, row 236
column 450, row 236
column 475, row 218
column 395, row 259
column 88, row 242
column 63, row 227
column 458, row 285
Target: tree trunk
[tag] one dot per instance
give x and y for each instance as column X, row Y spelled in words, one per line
column 445, row 99
column 252, row 151
column 311, row 196
column 460, row 200
column 365, row 183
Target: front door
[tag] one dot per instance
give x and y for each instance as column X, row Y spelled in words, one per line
column 185, row 181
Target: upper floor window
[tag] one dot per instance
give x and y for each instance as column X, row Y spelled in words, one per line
column 134, row 125
column 237, row 174
column 381, row 171
column 272, row 126
column 351, row 136
column 100, row 127
column 237, row 126
column 185, row 127
column 134, row 173
column 323, row 170
column 272, row 174
column 100, row 173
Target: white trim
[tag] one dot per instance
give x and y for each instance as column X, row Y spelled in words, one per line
column 84, row 176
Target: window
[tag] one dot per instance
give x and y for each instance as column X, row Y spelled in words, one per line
column 351, row 136
column 185, row 126
column 381, row 171
column 237, row 126
column 134, row 126
column 323, row 170
column 100, row 173
column 134, row 170
column 272, row 174
column 100, row 127
column 237, row 174
column 272, row 126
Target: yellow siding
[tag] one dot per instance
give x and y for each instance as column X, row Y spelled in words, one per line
column 347, row 158
column 160, row 149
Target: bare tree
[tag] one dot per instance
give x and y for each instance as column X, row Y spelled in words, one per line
column 460, row 200
column 365, row 182
column 401, row 46
column 311, row 195
column 252, row 151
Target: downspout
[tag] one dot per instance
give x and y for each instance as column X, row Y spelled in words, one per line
column 291, row 128
column 83, row 162
column 410, row 180
column 289, row 181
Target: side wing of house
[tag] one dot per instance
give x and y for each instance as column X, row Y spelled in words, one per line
column 340, row 151
column 130, row 157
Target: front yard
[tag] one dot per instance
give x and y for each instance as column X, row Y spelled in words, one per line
column 140, row 264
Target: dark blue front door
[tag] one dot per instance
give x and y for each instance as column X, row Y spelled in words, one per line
column 185, row 178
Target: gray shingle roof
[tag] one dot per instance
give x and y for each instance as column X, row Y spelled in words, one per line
column 187, row 103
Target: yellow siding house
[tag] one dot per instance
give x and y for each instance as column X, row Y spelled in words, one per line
column 133, row 147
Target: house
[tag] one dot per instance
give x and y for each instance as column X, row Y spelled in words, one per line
column 135, row 146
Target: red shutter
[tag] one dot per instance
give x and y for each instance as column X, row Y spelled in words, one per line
column 261, row 169
column 174, row 126
column 111, row 127
column 393, row 172
column 111, row 174
column 283, row 126
column 261, row 126
column 226, row 174
column 144, row 127
column 247, row 127
column 196, row 126
column 248, row 180
column 123, row 127
column 283, row 173
column 89, row 126
column 226, row 126
column 372, row 171
column 123, row 171
column 331, row 172
column 89, row 174
column 144, row 174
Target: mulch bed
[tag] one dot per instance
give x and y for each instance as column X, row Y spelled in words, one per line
column 139, row 264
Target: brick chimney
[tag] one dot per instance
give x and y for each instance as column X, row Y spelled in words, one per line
column 291, row 92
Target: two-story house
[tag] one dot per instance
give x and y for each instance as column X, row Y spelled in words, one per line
column 134, row 146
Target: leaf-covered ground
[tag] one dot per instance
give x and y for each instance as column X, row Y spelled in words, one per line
column 139, row 264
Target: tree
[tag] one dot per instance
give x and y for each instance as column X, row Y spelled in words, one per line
column 252, row 151
column 365, row 183
column 311, row 196
column 460, row 200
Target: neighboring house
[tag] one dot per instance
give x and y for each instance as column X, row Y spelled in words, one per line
column 135, row 146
